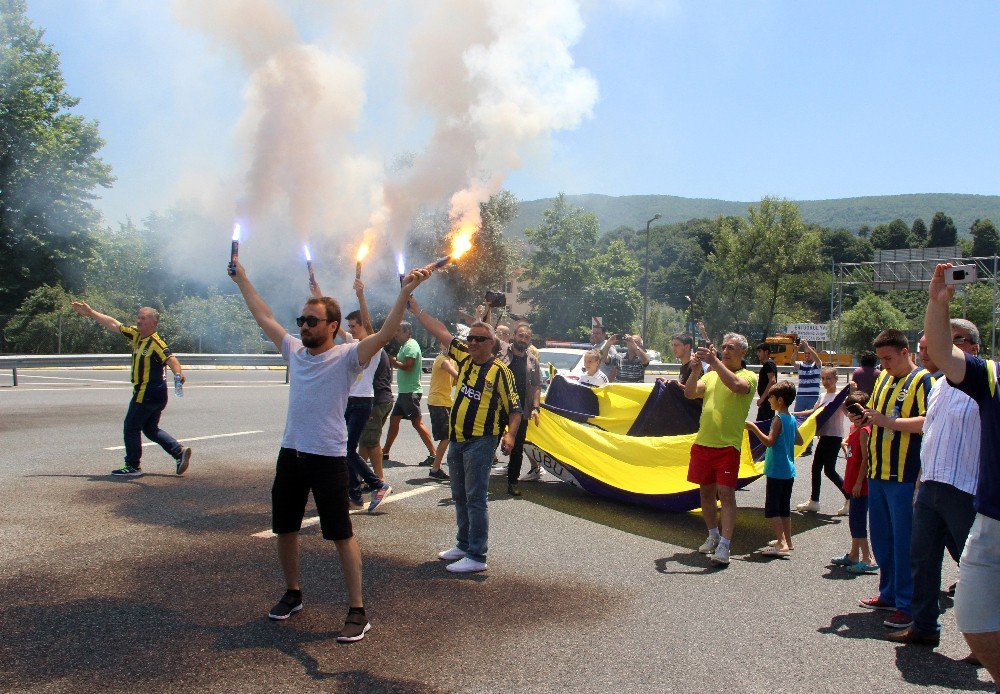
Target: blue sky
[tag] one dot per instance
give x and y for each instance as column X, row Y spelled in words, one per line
column 803, row 100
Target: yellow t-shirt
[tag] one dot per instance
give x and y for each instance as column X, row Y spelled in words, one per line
column 441, row 383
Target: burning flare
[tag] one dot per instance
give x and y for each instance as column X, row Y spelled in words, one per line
column 362, row 252
column 234, row 249
column 461, row 242
column 309, row 266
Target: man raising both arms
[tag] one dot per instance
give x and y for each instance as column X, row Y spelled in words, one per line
column 314, row 446
column 149, row 392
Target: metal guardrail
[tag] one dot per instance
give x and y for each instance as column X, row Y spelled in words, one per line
column 41, row 361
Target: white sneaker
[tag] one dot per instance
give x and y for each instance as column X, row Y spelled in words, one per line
column 466, row 566
column 808, row 506
column 845, row 509
column 532, row 475
column 451, row 554
column 710, row 544
column 720, row 555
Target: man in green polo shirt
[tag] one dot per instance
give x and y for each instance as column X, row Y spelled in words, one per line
column 727, row 392
column 407, row 363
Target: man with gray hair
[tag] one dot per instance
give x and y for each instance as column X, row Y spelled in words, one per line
column 944, row 508
column 727, row 391
column 150, row 355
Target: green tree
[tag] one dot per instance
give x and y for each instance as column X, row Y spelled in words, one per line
column 757, row 263
column 46, row 324
column 942, row 232
column 985, row 239
column 488, row 266
column 891, row 236
column 568, row 281
column 48, row 164
column 918, row 233
column 218, row 323
column 841, row 246
column 870, row 316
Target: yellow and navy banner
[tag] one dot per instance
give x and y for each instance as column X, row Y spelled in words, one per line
column 591, row 449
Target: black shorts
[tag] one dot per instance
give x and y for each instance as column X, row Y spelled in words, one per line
column 295, row 476
column 778, row 498
column 440, row 422
column 407, row 406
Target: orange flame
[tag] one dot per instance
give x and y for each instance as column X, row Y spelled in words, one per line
column 362, row 252
column 462, row 241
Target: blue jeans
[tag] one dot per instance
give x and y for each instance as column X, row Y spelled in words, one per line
column 942, row 515
column 356, row 415
column 469, row 464
column 144, row 418
column 890, row 518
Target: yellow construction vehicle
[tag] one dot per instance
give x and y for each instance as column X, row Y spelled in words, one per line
column 785, row 351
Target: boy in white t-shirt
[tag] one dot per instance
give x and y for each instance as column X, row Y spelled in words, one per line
column 593, row 375
column 831, row 435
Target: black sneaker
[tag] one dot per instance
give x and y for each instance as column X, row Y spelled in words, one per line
column 355, row 628
column 290, row 603
column 183, row 460
column 513, row 490
column 428, row 461
column 438, row 474
column 127, row 471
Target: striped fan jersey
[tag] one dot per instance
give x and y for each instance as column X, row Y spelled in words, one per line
column 895, row 455
column 149, row 356
column 809, row 377
column 485, row 396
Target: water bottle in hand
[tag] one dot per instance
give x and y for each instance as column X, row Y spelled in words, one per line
column 178, row 386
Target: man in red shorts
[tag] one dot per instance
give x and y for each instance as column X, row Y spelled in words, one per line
column 727, row 391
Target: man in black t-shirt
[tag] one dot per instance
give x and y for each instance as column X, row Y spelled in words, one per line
column 766, row 379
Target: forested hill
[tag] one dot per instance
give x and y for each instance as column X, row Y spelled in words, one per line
column 844, row 213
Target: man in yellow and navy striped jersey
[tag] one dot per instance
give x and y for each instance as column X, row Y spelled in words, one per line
column 149, row 391
column 896, row 411
column 486, row 407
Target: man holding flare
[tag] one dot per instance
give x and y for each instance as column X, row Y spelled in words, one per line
column 314, row 445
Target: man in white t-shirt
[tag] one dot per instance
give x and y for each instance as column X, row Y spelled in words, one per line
column 313, row 454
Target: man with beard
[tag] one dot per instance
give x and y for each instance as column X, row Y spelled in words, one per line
column 313, row 454
column 528, row 383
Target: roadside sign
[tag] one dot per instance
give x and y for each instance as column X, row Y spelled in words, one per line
column 814, row 332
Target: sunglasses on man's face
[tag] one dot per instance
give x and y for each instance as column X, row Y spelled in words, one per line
column 478, row 338
column 311, row 321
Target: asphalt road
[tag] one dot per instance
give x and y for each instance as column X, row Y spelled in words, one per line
column 160, row 584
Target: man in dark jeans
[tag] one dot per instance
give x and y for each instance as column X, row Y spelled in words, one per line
column 359, row 406
column 150, row 355
column 528, row 384
column 944, row 509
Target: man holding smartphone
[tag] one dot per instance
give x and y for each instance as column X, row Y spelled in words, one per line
column 977, row 599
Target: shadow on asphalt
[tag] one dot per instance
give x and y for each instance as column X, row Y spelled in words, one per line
column 928, row 668
column 917, row 664
column 682, row 529
column 192, row 615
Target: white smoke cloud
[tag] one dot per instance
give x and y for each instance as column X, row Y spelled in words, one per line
column 494, row 79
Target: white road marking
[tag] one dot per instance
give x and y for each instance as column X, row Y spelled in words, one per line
column 69, row 378
column 70, row 387
column 314, row 520
column 195, row 438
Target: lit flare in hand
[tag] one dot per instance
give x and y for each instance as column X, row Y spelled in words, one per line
column 234, row 250
column 362, row 252
column 309, row 266
column 461, row 243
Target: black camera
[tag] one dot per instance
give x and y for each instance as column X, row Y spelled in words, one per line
column 496, row 299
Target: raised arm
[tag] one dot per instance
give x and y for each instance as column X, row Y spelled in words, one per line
column 366, row 316
column 370, row 346
column 431, row 324
column 261, row 312
column 949, row 358
column 83, row 308
column 693, row 386
column 811, row 352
